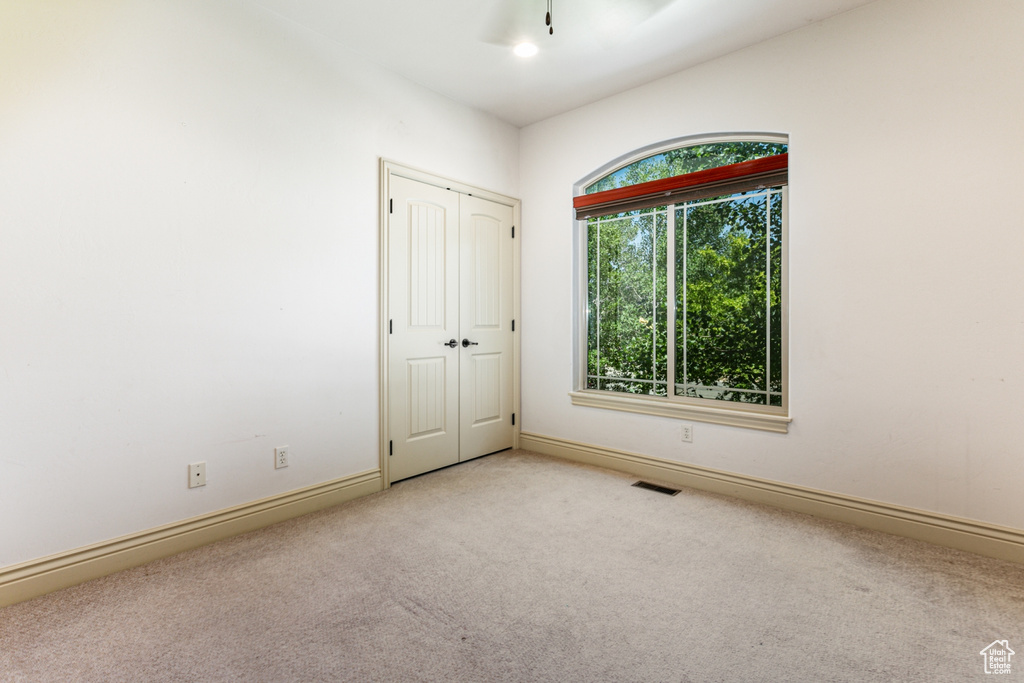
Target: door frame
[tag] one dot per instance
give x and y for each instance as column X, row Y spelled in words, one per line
column 387, row 169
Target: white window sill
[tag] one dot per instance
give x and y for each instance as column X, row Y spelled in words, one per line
column 666, row 407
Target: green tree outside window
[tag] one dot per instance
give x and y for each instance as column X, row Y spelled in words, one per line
column 727, row 337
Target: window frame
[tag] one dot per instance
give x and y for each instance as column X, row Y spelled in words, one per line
column 766, row 418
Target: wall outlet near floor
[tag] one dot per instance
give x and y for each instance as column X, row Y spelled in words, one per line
column 686, row 433
column 280, row 457
column 196, row 474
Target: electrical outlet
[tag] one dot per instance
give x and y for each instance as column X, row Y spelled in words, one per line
column 280, row 457
column 686, row 433
column 196, row 474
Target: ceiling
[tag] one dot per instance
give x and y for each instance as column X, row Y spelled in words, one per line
column 463, row 48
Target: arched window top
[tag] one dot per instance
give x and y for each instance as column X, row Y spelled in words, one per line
column 684, row 170
column 686, row 159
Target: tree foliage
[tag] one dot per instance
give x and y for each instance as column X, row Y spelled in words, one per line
column 728, row 328
column 686, row 160
column 628, row 302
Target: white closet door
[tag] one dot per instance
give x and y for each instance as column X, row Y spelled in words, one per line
column 485, row 313
column 423, row 393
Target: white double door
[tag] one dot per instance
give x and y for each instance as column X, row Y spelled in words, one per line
column 451, row 338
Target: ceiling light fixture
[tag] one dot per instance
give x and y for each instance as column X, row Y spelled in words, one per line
column 525, row 50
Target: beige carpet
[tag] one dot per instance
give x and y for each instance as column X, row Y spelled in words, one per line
column 519, row 567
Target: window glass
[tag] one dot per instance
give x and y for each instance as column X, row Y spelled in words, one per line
column 686, row 301
column 685, row 160
column 627, row 332
column 728, row 295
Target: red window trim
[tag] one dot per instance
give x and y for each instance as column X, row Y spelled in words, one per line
column 746, row 175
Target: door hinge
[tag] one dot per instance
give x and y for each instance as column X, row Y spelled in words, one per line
column 391, row 448
column 513, row 324
column 391, row 206
column 391, row 326
column 513, row 419
column 513, row 232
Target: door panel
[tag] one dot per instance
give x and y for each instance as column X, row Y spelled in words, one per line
column 427, row 263
column 423, row 302
column 486, row 264
column 427, row 415
column 485, row 369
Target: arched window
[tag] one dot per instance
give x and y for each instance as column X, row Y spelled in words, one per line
column 684, row 280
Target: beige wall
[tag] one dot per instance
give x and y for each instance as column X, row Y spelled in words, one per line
column 907, row 321
column 188, row 257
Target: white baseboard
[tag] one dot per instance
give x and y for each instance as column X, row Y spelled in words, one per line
column 37, row 577
column 964, row 534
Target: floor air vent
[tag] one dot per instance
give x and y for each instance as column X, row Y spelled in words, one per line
column 654, row 487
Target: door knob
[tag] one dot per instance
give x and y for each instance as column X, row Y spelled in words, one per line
column 466, row 343
column 451, row 343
